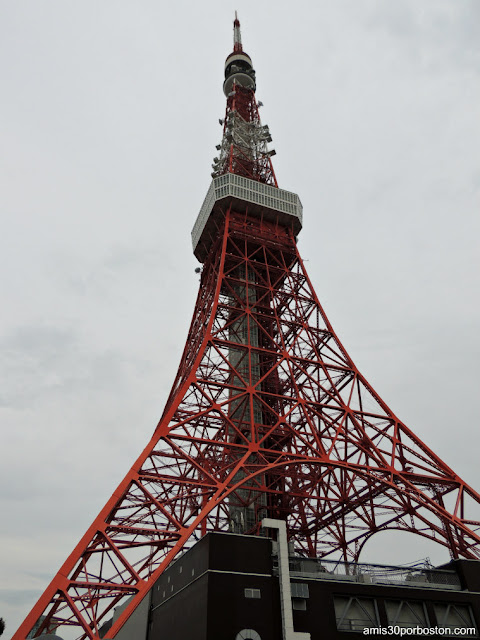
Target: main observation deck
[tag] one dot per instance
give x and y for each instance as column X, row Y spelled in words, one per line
column 261, row 200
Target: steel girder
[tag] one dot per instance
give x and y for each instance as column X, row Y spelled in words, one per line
column 268, row 415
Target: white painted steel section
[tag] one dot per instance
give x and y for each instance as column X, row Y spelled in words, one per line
column 284, row 579
column 204, row 214
column 238, row 56
column 252, row 191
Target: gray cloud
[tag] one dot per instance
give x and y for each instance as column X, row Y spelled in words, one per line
column 32, row 359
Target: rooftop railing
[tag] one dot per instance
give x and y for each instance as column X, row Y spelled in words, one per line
column 414, row 576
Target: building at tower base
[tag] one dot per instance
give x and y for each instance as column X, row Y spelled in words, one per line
column 227, row 587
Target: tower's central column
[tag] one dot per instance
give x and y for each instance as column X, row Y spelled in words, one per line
column 245, row 410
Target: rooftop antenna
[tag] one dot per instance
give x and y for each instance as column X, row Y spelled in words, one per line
column 237, row 36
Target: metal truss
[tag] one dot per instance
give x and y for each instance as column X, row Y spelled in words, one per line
column 244, row 146
column 268, row 416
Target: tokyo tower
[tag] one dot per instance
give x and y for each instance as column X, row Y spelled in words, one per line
column 268, row 416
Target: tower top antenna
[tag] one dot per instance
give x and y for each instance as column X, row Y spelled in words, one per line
column 238, row 65
column 237, row 36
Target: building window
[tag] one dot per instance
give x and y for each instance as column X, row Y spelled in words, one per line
column 403, row 613
column 299, row 604
column 355, row 614
column 299, row 590
column 457, row 615
column 253, row 593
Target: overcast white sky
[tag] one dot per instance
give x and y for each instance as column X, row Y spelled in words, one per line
column 108, row 129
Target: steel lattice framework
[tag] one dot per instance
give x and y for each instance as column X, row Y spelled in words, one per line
column 268, row 417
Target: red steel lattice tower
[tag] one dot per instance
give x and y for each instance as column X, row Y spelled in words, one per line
column 268, row 415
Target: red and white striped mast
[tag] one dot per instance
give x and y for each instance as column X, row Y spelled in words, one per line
column 244, row 146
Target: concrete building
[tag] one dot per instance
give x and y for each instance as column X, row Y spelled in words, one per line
column 229, row 587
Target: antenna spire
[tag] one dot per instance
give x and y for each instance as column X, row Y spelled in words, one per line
column 237, row 36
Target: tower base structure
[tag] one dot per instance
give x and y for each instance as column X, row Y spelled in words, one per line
column 228, row 586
